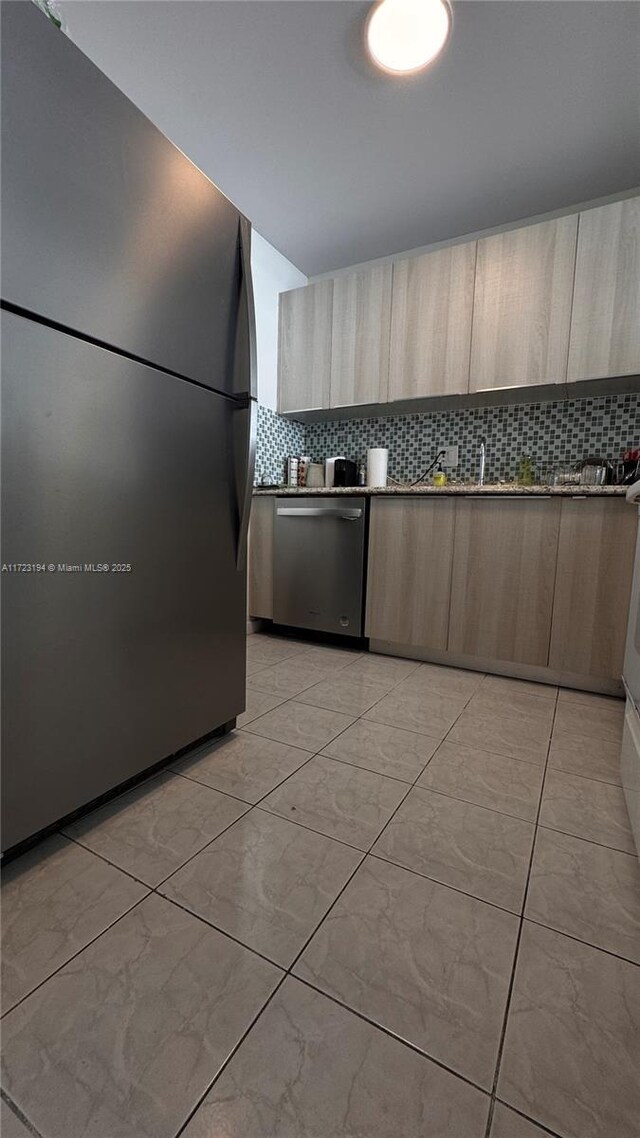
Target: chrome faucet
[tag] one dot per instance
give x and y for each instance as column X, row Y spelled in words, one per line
column 483, row 444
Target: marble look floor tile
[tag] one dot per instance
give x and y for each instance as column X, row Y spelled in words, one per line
column 339, row 800
column 462, row 845
column 290, row 677
column 386, row 750
column 595, row 722
column 507, row 1124
column 123, row 1041
column 428, row 963
column 524, row 739
column 337, row 693
column 510, row 687
column 587, row 891
column 274, row 649
column 587, row 809
column 337, row 658
column 571, row 695
column 572, row 1048
column 311, row 1069
column 388, row 670
column 494, row 781
column 253, row 668
column 301, row 725
column 512, row 705
column 266, row 882
column 152, row 830
column 246, row 766
column 10, row 1124
column 55, row 899
column 258, row 703
column 430, row 715
column 443, row 680
column 591, row 758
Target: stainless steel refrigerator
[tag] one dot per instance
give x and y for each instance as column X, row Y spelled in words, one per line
column 128, row 433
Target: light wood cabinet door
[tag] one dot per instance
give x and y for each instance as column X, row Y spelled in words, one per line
column 593, row 586
column 605, row 321
column 260, row 558
column 360, row 337
column 304, row 355
column 504, row 566
column 431, row 308
column 522, row 306
column 409, row 570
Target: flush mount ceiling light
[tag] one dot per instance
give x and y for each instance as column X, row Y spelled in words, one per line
column 404, row 36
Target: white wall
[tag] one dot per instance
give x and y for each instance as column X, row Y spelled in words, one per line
column 272, row 274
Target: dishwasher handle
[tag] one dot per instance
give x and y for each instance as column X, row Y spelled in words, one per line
column 317, row 512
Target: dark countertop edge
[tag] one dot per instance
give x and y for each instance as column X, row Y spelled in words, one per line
column 489, row 491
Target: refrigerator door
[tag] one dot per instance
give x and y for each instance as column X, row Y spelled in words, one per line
column 107, row 228
column 125, row 476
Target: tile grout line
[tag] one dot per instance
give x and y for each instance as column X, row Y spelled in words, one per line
column 368, row 852
column 471, row 802
column 217, row 928
column 444, row 884
column 314, row 683
column 411, row 786
column 76, row 954
column 520, row 1114
column 155, row 888
column 579, row 940
column 225, row 1064
column 15, row 1109
column 392, row 1035
column 516, row 953
column 295, row 699
column 580, row 838
column 289, row 971
column 258, row 805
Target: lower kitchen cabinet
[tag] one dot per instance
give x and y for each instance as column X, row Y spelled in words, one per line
column 593, row 585
column 504, row 567
column 260, row 558
column 409, row 574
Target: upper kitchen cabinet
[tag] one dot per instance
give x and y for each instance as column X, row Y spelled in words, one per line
column 431, row 309
column 605, row 322
column 304, row 357
column 522, row 306
column 360, row 337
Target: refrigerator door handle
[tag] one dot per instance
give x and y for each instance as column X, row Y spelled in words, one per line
column 247, row 494
column 251, row 388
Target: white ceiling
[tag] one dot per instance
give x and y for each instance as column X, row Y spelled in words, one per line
column 534, row 106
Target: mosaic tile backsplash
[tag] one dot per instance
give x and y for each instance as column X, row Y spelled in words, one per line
column 276, row 438
column 553, row 434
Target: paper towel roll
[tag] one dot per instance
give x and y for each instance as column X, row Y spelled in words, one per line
column 377, row 461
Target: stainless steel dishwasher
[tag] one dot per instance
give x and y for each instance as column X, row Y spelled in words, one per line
column 318, row 563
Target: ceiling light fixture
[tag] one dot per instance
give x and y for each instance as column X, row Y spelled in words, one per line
column 405, row 36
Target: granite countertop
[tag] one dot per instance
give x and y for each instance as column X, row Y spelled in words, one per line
column 503, row 489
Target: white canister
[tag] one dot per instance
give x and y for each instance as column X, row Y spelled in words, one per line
column 377, row 462
column 315, row 475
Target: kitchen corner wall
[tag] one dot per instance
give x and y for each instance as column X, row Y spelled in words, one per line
column 552, row 433
column 272, row 274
